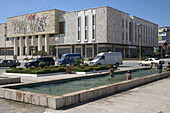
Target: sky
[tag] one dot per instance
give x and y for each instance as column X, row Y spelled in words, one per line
column 156, row 11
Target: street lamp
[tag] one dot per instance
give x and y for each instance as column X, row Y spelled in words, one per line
column 57, row 39
column 140, row 36
column 5, row 51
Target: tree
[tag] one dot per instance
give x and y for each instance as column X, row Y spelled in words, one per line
column 42, row 53
column 32, row 48
column 52, row 49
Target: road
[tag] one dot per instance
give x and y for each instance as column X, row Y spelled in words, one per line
column 150, row 98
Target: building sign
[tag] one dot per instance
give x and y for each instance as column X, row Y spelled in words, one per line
column 33, row 24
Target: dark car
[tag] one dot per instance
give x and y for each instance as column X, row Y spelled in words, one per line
column 48, row 61
column 9, row 63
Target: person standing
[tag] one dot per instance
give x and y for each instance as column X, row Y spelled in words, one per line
column 160, row 67
column 128, row 75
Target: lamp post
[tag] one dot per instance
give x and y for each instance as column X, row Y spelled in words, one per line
column 140, row 36
column 56, row 39
column 5, row 51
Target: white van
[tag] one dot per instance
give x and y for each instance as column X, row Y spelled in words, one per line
column 114, row 58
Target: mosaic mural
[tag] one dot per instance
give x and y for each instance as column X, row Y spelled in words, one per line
column 30, row 24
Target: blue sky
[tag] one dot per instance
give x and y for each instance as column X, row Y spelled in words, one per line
column 157, row 11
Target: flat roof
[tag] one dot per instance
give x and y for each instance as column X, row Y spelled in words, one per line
column 144, row 20
column 38, row 12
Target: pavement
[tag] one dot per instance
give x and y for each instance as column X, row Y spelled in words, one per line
column 150, row 98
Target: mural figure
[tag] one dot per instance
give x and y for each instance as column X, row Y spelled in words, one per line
column 32, row 23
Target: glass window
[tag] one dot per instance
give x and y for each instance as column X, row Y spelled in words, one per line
column 78, row 35
column 85, row 34
column 122, row 35
column 79, row 21
column 86, row 20
column 94, row 19
column 93, row 33
column 122, row 23
column 126, row 24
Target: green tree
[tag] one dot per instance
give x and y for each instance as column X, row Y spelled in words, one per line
column 52, row 49
column 42, row 53
column 32, row 48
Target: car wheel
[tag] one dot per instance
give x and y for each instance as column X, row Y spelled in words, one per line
column 141, row 64
column 99, row 64
column 117, row 64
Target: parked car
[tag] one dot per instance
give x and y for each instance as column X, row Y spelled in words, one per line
column 148, row 61
column 114, row 58
column 69, row 58
column 9, row 63
column 48, row 60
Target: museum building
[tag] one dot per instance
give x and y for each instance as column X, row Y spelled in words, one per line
column 87, row 32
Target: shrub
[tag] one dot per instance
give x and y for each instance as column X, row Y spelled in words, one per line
column 42, row 64
column 85, row 64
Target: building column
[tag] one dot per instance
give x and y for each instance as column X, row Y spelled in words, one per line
column 26, row 46
column 46, row 44
column 97, row 49
column 129, row 53
column 92, row 50
column 21, row 46
column 113, row 48
column 33, row 41
column 15, row 46
column 39, row 43
column 85, row 51
column 81, row 50
column 124, row 52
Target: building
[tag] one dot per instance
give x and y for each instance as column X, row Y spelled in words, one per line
column 164, row 36
column 88, row 32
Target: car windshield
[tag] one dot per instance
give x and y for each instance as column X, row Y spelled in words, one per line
column 97, row 57
column 35, row 59
column 156, row 58
column 62, row 57
column 1, row 60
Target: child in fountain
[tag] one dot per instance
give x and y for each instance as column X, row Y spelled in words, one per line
column 111, row 72
column 128, row 75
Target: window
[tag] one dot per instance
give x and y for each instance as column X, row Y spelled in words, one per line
column 93, row 28
column 61, row 27
column 30, row 37
column 126, row 36
column 17, row 38
column 86, row 20
column 79, row 21
column 94, row 19
column 78, row 35
column 36, row 36
column 8, row 39
column 126, row 24
column 93, row 34
column 43, row 36
column 85, row 34
column 24, row 37
column 122, row 23
column 122, row 35
column 86, row 23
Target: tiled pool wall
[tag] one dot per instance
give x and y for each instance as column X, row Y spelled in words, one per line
column 6, row 80
column 57, row 102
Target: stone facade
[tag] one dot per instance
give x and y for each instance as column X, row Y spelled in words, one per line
column 87, row 32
